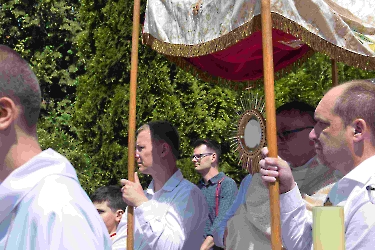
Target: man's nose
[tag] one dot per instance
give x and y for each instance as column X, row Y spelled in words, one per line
column 312, row 135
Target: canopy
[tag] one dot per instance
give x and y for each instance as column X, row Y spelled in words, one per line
column 222, row 38
column 227, row 39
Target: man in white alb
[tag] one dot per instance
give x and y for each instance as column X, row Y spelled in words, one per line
column 42, row 205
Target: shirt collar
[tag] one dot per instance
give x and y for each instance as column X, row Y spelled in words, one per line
column 357, row 174
column 214, row 179
column 343, row 188
column 171, row 184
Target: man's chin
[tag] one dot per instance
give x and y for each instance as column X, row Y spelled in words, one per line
column 141, row 169
column 200, row 170
column 322, row 161
column 197, row 168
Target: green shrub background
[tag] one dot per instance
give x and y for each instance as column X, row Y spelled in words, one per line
column 80, row 52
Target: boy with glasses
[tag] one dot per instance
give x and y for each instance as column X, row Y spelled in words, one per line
column 219, row 190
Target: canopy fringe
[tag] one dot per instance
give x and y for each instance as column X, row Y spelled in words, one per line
column 279, row 22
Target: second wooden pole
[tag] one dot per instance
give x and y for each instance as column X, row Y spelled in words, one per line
column 268, row 72
column 132, row 115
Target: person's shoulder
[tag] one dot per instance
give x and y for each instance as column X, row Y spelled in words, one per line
column 246, row 181
column 360, row 211
column 247, row 178
column 189, row 189
column 186, row 184
column 60, row 204
column 362, row 200
column 227, row 181
column 190, row 194
column 56, row 194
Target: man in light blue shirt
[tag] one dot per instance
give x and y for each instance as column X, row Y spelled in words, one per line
column 171, row 213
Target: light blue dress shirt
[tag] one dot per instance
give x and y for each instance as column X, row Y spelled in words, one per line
column 173, row 218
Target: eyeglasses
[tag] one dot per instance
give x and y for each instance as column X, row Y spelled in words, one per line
column 286, row 135
column 199, row 157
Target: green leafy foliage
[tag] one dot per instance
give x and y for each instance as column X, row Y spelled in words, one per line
column 313, row 79
column 43, row 33
column 197, row 109
column 80, row 51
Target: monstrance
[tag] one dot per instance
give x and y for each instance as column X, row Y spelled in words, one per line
column 249, row 137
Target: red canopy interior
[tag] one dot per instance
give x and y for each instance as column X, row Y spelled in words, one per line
column 244, row 61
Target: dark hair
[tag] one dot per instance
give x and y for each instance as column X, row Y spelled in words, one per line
column 301, row 107
column 110, row 194
column 211, row 144
column 357, row 101
column 164, row 131
column 18, row 82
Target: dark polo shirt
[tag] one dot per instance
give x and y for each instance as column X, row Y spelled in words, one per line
column 228, row 192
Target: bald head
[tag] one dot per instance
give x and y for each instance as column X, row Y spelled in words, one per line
column 18, row 82
column 356, row 100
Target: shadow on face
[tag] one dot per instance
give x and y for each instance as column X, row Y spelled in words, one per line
column 293, row 141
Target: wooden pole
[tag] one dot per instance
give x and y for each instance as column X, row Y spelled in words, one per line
column 132, row 116
column 335, row 73
column 268, row 72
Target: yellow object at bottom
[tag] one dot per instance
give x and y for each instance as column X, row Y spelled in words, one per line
column 328, row 228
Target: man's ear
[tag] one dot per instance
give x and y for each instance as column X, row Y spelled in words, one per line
column 165, row 149
column 8, row 111
column 214, row 157
column 359, row 128
column 119, row 214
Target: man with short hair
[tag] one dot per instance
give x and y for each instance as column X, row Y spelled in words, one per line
column 344, row 139
column 219, row 190
column 109, row 204
column 250, row 226
column 172, row 212
column 42, row 205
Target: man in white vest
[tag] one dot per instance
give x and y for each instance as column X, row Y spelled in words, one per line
column 42, row 205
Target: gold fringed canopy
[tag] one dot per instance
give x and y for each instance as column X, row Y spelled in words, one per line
column 187, row 30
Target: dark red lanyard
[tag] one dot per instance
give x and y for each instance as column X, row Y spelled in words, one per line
column 218, row 189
